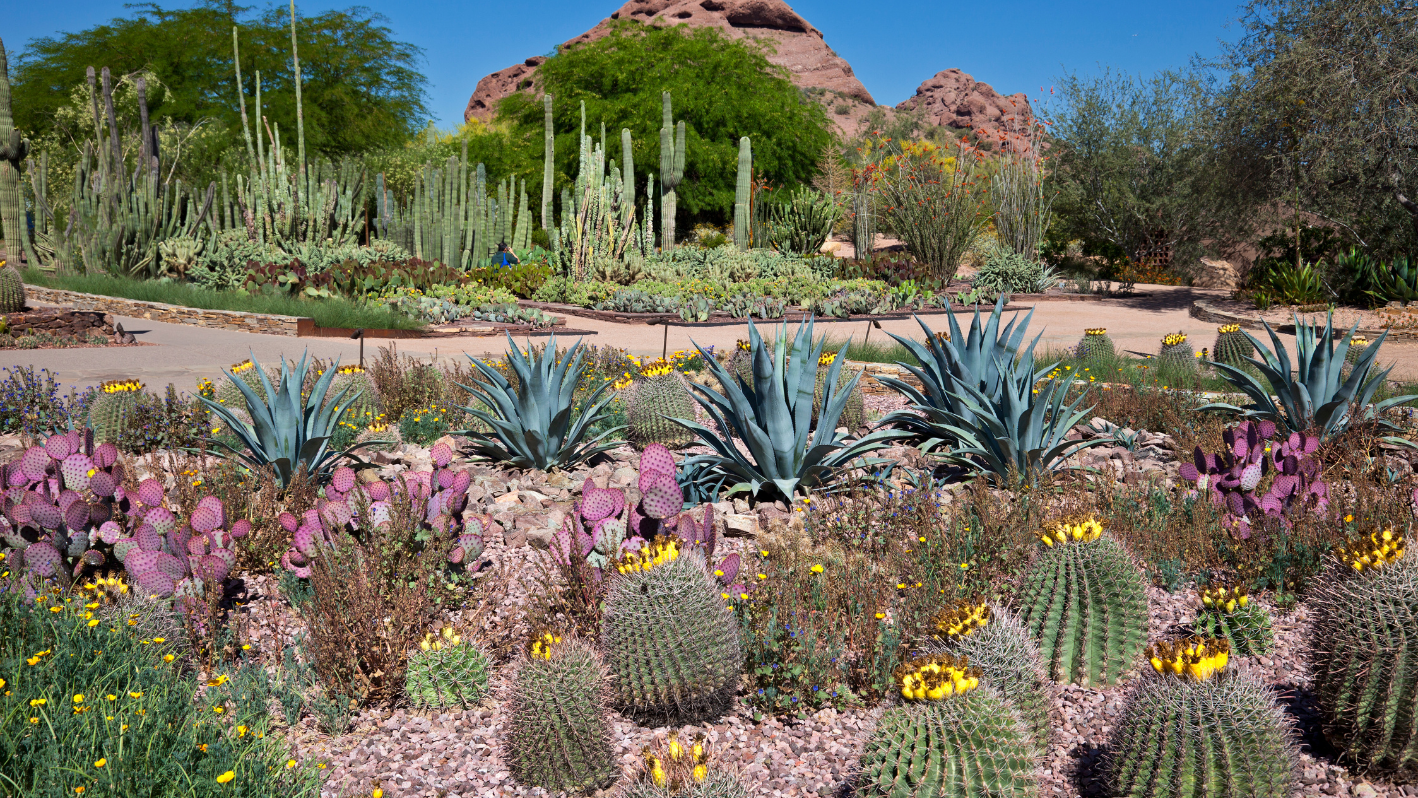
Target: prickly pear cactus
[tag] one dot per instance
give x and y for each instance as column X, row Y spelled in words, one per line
column 1096, row 345
column 993, row 640
column 556, row 727
column 1232, row 346
column 1084, row 601
column 1227, row 613
column 1176, row 351
column 112, row 411
column 854, row 414
column 660, row 395
column 1192, row 730
column 12, row 289
column 954, row 737
column 1362, row 648
column 446, row 671
column 672, row 644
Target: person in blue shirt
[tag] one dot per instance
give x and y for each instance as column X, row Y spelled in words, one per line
column 504, row 256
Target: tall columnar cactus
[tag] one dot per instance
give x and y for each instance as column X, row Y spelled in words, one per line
column 1227, row 613
column 660, row 395
column 112, row 410
column 1362, row 649
column 548, row 161
column 12, row 289
column 627, row 177
column 742, row 194
column 556, row 727
column 675, row 768
column 954, row 737
column 854, row 414
column 1176, row 351
column 993, row 640
column 446, row 671
column 13, row 151
column 1191, row 730
column 1233, row 347
column 672, row 644
column 1084, row 601
column 672, row 155
column 1095, row 345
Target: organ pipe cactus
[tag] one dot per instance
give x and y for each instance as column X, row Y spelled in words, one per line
column 13, row 151
column 672, row 158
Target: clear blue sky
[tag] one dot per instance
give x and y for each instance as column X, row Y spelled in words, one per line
column 1015, row 45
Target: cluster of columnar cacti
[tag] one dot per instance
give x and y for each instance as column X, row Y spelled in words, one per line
column 674, row 768
column 14, row 148
column 598, row 214
column 953, row 737
column 1227, row 613
column 1362, row 650
column 995, row 642
column 1233, row 347
column 1192, row 730
column 660, row 394
column 1084, row 601
column 854, row 413
column 112, row 409
column 12, row 289
column 1177, row 351
column 1095, row 345
column 446, row 671
column 672, row 158
column 556, row 719
column 439, row 497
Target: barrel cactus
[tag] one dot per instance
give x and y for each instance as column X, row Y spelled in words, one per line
column 854, row 414
column 740, row 363
column 1227, row 613
column 12, row 289
column 112, row 411
column 1362, row 651
column 672, row 644
column 952, row 737
column 1084, row 601
column 1193, row 730
column 556, row 724
column 1357, row 345
column 1176, row 351
column 1233, row 347
column 1096, row 345
column 660, row 394
column 446, row 671
column 672, row 768
column 996, row 643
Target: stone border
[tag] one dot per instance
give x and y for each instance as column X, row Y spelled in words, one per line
column 719, row 319
column 1203, row 311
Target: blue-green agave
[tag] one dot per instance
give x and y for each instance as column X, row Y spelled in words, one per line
column 287, row 432
column 772, row 415
column 1315, row 396
column 532, row 424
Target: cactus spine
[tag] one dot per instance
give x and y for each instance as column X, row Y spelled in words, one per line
column 12, row 289
column 672, row 645
column 1232, row 346
column 446, row 671
column 112, row 410
column 1177, row 351
column 742, row 193
column 656, row 400
column 1096, row 345
column 1362, row 653
column 1085, row 603
column 557, row 727
column 672, row 155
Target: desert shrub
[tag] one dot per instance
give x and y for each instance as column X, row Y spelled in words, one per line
column 936, row 202
column 30, row 402
column 403, row 382
column 425, row 424
column 253, row 495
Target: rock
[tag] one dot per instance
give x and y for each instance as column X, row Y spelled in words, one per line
column 740, row 525
column 507, row 498
column 540, row 538
column 955, row 99
column 624, row 476
column 1216, row 274
column 513, row 536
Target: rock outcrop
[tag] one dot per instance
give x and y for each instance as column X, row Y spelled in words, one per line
column 794, row 44
column 954, row 99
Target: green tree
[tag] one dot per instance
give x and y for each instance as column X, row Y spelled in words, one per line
column 360, row 86
column 722, row 88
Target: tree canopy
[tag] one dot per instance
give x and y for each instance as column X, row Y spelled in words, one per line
column 723, row 89
column 360, row 86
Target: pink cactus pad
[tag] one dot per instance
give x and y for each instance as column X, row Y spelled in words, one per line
column 600, row 503
column 656, row 458
column 215, row 505
column 205, row 519
column 123, row 548
column 295, row 563
column 103, row 484
column 59, row 446
column 461, row 481
column 46, row 515
column 148, row 538
column 343, row 479
column 150, row 493
column 161, row 519
column 661, row 496
column 288, row 522
column 42, row 558
column 105, row 455
column 210, row 567
column 34, row 462
column 77, row 469
column 109, row 532
column 77, row 516
column 241, row 529
column 441, row 453
column 728, row 569
column 445, row 478
column 170, row 565
column 15, row 476
column 94, row 557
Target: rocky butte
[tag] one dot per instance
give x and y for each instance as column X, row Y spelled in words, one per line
column 950, row 98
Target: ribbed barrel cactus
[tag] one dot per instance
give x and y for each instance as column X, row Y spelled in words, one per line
column 1193, row 730
column 1084, row 601
column 446, row 671
column 676, row 768
column 953, row 737
column 672, row 644
column 1095, row 345
column 660, row 394
column 854, row 413
column 556, row 722
column 1227, row 613
column 12, row 289
column 112, row 411
column 1233, row 347
column 1177, row 351
column 993, row 640
column 740, row 363
column 1362, row 652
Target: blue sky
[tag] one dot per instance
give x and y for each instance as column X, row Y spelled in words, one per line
column 1015, row 45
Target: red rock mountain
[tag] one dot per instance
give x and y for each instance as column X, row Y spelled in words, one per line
column 951, row 97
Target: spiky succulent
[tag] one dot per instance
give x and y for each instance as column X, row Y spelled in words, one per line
column 1095, row 345
column 1084, row 601
column 12, row 289
column 556, row 719
column 1233, row 347
column 1227, row 613
column 446, row 671
column 1177, row 351
column 658, row 399
column 113, row 409
column 675, row 768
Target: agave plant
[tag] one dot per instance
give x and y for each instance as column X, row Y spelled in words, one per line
column 287, row 432
column 946, row 366
column 532, row 424
column 1315, row 396
column 771, row 413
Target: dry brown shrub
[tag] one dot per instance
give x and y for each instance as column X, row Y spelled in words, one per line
column 254, row 495
column 403, row 382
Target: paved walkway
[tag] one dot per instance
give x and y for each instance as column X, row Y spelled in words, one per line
column 183, row 354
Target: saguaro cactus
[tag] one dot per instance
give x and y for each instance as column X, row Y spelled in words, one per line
column 671, row 171
column 13, row 150
column 548, row 160
column 742, row 192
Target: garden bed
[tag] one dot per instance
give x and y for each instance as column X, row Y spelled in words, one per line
column 1401, row 323
column 55, row 328
column 718, row 319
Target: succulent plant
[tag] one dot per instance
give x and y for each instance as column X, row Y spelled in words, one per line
column 113, row 409
column 446, row 671
column 675, row 768
column 1233, row 347
column 1316, row 395
column 955, row 737
column 1084, row 601
column 12, row 289
column 1361, row 651
column 1231, row 478
column 1227, row 613
column 1177, row 351
column 658, row 398
column 1192, row 730
column 165, row 558
column 556, row 727
column 671, row 643
column 1095, row 345
column 854, row 413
